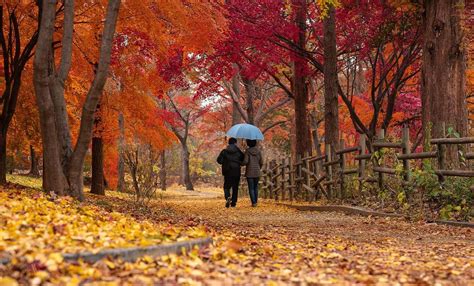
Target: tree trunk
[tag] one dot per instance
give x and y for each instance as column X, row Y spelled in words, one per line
column 97, row 186
column 34, row 170
column 121, row 161
column 3, row 157
column 331, row 120
column 300, row 91
column 75, row 171
column 54, row 179
column 49, row 98
column 163, row 170
column 14, row 61
column 316, row 140
column 443, row 71
column 186, row 175
column 293, row 139
column 236, row 116
column 249, row 96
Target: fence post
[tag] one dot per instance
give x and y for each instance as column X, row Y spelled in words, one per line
column 381, row 137
column 291, row 175
column 328, row 169
column 362, row 144
column 406, row 150
column 283, row 179
column 271, row 179
column 341, row 167
column 277, row 182
column 265, row 181
column 441, row 155
column 306, row 177
column 298, row 177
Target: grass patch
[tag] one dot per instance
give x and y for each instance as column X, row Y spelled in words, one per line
column 26, row 181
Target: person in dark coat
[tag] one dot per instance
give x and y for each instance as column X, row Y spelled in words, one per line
column 231, row 160
column 253, row 161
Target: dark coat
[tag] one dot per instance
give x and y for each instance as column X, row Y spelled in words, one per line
column 253, row 160
column 231, row 159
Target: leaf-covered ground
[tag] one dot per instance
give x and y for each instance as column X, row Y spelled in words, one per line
column 274, row 245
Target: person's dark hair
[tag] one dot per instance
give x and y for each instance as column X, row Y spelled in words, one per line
column 251, row 143
column 232, row 141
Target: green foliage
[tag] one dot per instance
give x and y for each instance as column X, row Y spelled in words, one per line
column 452, row 198
column 378, row 156
column 452, row 133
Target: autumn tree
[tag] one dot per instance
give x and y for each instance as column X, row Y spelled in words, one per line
column 390, row 58
column 63, row 165
column 18, row 38
column 183, row 113
column 24, row 133
column 331, row 106
column 259, row 99
column 443, row 69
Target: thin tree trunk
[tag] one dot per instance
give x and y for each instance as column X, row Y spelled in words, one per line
column 186, row 174
column 236, row 116
column 163, row 170
column 75, row 170
column 303, row 139
column 316, row 140
column 34, row 169
column 293, row 139
column 14, row 61
column 3, row 157
column 443, row 71
column 97, row 186
column 250, row 95
column 121, row 161
column 331, row 121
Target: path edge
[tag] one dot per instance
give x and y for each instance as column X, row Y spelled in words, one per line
column 368, row 212
column 130, row 254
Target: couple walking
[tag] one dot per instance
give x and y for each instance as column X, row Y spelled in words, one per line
column 231, row 160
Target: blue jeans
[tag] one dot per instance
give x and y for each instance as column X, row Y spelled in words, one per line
column 253, row 189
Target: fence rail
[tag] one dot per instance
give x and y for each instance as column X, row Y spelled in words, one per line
column 309, row 177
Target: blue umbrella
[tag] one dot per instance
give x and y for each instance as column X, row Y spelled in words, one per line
column 245, row 131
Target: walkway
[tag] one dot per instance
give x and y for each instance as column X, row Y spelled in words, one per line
column 275, row 244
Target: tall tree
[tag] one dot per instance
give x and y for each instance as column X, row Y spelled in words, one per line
column 17, row 41
column 443, row 69
column 63, row 165
column 121, row 159
column 98, row 179
column 331, row 112
column 184, row 113
column 299, row 87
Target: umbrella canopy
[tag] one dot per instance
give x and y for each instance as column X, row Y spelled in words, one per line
column 245, row 131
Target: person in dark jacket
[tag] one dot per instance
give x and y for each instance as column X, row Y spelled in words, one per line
column 231, row 160
column 253, row 161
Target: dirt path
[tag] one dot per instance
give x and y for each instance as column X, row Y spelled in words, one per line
column 274, row 244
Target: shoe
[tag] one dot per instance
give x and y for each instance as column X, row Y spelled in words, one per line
column 227, row 202
column 254, row 205
column 232, row 206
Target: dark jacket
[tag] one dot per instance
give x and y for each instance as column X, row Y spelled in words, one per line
column 231, row 159
column 253, row 160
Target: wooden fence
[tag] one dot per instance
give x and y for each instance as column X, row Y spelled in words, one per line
column 327, row 174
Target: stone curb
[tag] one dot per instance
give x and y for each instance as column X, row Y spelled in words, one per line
column 368, row 212
column 133, row 253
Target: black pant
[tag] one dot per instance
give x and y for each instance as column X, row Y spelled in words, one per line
column 231, row 182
